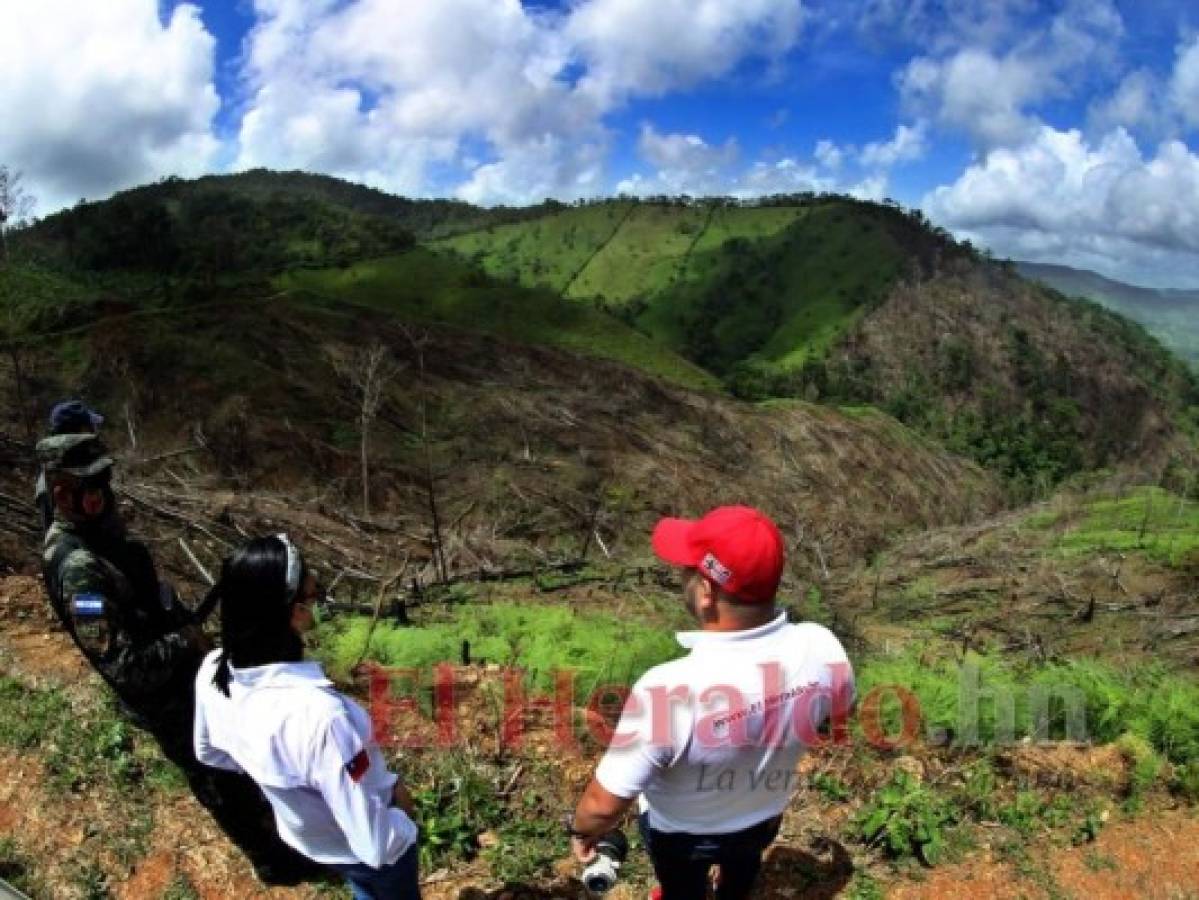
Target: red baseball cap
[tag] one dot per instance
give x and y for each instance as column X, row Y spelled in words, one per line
column 737, row 548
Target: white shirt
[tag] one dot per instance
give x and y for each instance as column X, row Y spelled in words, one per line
column 310, row 750
column 720, row 755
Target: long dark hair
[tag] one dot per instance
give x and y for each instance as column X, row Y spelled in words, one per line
column 256, row 609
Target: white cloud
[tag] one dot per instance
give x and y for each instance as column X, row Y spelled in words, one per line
column 683, row 163
column 829, row 155
column 393, row 91
column 907, row 145
column 102, row 96
column 1155, row 103
column 1137, row 103
column 1101, row 205
column 1184, row 85
column 684, row 151
column 976, row 92
column 631, row 47
column 789, row 176
column 989, row 93
column 537, row 169
column 945, row 24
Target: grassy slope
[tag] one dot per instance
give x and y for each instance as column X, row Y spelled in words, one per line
column 643, row 256
column 425, row 286
column 1149, row 521
column 518, row 251
column 771, row 285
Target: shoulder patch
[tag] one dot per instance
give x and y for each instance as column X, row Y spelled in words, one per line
column 87, row 606
column 357, row 766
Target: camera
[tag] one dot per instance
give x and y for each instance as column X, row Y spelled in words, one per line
column 602, row 872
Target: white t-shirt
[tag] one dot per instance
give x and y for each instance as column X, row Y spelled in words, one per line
column 710, row 742
column 310, row 750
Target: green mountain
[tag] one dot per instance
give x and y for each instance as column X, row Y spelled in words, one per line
column 734, row 288
column 823, row 298
column 1172, row 316
column 843, row 301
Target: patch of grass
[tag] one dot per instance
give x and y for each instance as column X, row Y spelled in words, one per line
column 92, row 882
column 539, row 639
column 977, row 796
column 1016, row 700
column 81, row 743
column 831, row 787
column 1144, row 767
column 1099, row 862
column 1185, row 782
column 863, row 886
column 181, row 888
column 1149, row 520
column 527, row 848
column 16, row 867
column 815, row 608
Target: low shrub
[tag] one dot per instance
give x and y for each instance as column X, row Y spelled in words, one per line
column 538, row 639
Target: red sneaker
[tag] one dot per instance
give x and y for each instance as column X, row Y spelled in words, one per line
column 655, row 893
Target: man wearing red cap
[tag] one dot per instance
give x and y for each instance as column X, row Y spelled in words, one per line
column 708, row 744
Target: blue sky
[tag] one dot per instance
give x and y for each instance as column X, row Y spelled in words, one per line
column 1063, row 131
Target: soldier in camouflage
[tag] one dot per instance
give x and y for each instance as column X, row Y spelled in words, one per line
column 142, row 640
column 104, row 588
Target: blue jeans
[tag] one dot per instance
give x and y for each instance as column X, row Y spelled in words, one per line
column 682, row 861
column 397, row 881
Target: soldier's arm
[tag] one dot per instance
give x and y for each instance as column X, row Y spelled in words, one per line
column 100, row 620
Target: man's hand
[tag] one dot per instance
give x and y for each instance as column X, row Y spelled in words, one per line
column 583, row 849
column 599, row 811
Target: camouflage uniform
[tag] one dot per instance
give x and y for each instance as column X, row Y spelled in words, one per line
column 106, row 593
column 104, row 588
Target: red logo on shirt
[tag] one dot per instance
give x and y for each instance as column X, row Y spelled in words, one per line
column 357, row 766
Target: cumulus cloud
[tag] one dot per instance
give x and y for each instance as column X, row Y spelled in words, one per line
column 683, row 164
column 394, row 92
column 102, row 96
column 1184, row 85
column 988, row 92
column 828, row 154
column 1137, row 103
column 632, row 47
column 1060, row 198
column 687, row 164
column 907, row 145
column 946, row 24
column 537, row 169
column 1154, row 103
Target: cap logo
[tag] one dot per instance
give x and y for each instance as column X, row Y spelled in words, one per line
column 714, row 569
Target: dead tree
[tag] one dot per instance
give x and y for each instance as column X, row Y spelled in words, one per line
column 368, row 372
column 15, row 204
column 419, row 341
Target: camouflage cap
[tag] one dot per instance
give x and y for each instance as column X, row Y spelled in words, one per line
column 80, row 455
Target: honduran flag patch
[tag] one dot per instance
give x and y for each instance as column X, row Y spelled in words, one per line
column 88, row 606
column 357, row 766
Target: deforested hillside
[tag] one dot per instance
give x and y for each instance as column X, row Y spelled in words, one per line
column 532, row 448
column 1029, row 383
column 1172, row 316
column 837, row 300
column 822, row 298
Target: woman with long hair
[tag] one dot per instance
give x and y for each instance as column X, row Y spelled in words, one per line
column 262, row 709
